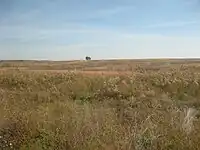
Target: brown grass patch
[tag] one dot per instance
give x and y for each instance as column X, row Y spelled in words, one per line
column 147, row 109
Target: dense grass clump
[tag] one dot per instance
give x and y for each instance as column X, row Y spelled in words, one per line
column 145, row 110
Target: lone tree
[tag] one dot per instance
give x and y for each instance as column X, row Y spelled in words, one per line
column 88, row 58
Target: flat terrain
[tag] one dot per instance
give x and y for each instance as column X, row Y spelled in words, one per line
column 99, row 66
column 100, row 105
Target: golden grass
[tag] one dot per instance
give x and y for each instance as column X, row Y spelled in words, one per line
column 146, row 110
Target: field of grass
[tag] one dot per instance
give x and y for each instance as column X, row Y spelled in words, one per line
column 153, row 107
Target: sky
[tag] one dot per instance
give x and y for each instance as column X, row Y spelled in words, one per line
column 102, row 29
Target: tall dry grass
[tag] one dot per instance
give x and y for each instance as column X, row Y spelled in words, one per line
column 147, row 110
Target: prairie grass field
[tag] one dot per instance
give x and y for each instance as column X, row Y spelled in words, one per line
column 100, row 105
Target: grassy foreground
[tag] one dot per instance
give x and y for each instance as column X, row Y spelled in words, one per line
column 148, row 110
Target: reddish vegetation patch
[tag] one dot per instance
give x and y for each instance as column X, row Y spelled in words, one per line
column 104, row 72
column 90, row 73
column 108, row 73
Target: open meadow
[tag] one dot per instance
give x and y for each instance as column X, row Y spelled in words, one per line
column 100, row 105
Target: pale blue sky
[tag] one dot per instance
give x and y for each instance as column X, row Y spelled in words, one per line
column 102, row 29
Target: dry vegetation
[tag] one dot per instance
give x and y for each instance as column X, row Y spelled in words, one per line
column 155, row 107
